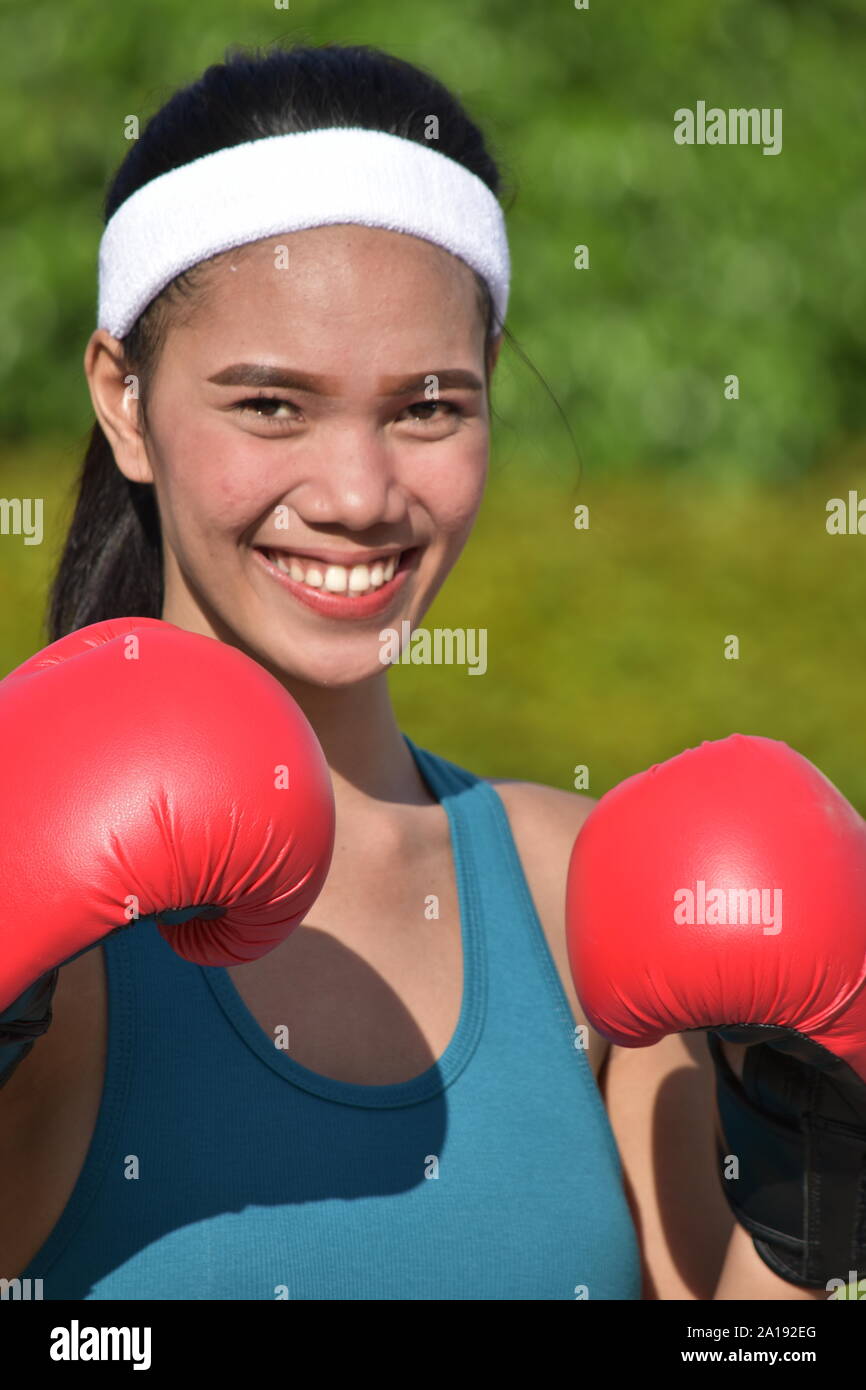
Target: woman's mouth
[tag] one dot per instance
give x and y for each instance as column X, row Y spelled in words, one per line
column 350, row 590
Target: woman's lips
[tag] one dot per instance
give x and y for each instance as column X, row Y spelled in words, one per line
column 342, row 605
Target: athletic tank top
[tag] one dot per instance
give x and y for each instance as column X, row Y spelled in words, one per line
column 220, row 1168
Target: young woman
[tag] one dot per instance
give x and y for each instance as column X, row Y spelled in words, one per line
column 281, row 478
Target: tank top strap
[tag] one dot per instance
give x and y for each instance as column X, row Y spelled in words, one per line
column 484, row 844
column 445, row 779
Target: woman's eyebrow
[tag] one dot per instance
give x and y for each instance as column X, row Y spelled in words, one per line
column 292, row 379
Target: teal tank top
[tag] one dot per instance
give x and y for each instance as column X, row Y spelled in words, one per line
column 492, row 1175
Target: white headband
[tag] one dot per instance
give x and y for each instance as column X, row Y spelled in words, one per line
column 283, row 183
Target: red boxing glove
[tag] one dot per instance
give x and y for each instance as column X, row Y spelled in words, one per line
column 726, row 890
column 150, row 772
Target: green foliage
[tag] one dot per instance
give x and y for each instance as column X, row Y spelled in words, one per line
column 704, row 261
column 707, row 515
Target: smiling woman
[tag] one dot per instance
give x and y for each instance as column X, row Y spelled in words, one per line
column 291, row 388
column 339, row 474
column 400, row 1100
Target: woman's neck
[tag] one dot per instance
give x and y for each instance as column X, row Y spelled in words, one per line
column 362, row 742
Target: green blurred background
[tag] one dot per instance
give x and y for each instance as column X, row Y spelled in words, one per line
column 707, row 516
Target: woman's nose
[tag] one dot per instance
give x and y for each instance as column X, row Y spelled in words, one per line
column 350, row 479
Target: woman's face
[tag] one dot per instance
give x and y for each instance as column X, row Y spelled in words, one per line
column 312, row 488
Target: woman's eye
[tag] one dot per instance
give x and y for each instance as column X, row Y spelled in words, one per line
column 448, row 406
column 266, row 407
column 261, row 405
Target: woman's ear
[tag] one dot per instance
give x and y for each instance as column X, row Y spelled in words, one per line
column 115, row 395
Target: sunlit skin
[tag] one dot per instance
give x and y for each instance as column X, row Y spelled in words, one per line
column 350, row 468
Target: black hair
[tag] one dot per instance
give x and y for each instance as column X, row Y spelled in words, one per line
column 111, row 563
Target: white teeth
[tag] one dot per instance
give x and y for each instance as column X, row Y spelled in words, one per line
column 336, row 579
column 359, row 579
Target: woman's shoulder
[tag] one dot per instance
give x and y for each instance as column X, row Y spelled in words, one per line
column 545, row 822
column 562, row 812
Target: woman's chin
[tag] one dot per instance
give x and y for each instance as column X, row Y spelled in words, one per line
column 332, row 670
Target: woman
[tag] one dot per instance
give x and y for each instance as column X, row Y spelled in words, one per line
column 269, row 467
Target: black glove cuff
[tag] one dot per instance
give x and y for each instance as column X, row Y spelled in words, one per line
column 797, row 1127
column 23, row 1021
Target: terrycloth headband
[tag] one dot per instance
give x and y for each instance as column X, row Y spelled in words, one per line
column 284, row 183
